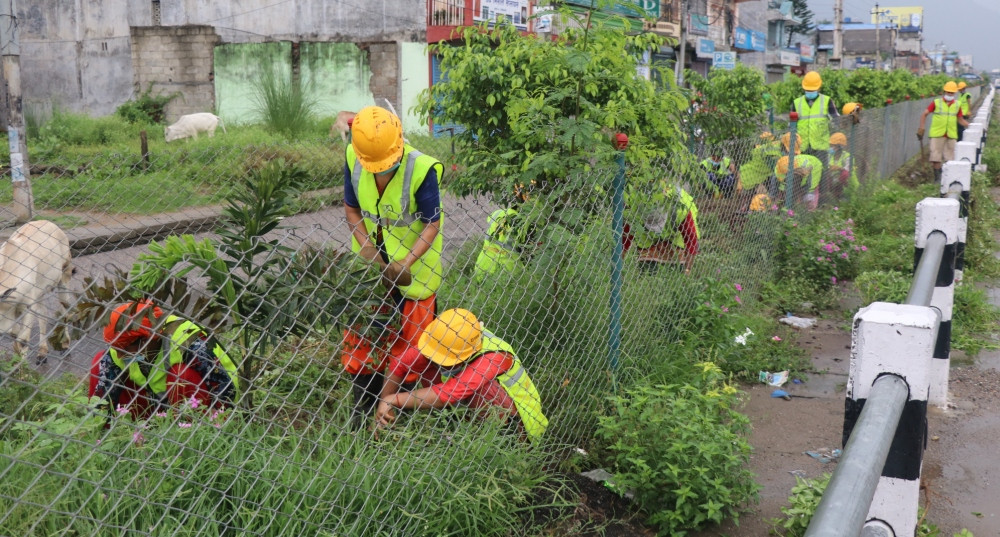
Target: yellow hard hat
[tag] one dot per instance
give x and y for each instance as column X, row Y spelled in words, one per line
column 950, row 87
column 782, row 167
column 850, row 107
column 377, row 137
column 798, row 142
column 838, row 138
column 766, row 136
column 962, row 85
column 812, row 81
column 451, row 338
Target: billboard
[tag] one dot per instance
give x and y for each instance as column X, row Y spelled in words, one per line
column 706, row 48
column 746, row 39
column 909, row 19
column 649, row 9
column 493, row 11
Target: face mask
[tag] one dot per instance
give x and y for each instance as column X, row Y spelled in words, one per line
column 812, row 94
column 392, row 169
column 949, row 97
column 832, row 150
column 716, row 163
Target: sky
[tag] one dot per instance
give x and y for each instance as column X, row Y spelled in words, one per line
column 966, row 26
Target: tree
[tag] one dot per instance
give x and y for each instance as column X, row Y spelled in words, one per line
column 800, row 8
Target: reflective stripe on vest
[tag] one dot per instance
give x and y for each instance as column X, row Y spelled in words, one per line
column 944, row 120
column 516, row 382
column 395, row 212
column 814, row 123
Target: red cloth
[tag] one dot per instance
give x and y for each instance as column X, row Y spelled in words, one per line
column 182, row 384
column 476, row 385
column 690, row 234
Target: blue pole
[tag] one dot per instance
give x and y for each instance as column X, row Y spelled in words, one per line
column 790, row 176
column 618, row 231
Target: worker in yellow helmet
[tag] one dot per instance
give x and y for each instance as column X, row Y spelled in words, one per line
column 964, row 100
column 815, row 111
column 854, row 111
column 760, row 166
column 721, row 175
column 807, row 168
column 393, row 208
column 462, row 363
column 947, row 116
column 841, row 166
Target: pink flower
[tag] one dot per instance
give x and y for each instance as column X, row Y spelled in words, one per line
column 161, row 414
column 122, row 410
column 725, row 309
column 833, row 279
column 843, row 232
column 194, row 402
column 844, row 255
column 774, row 207
column 776, row 338
column 739, row 287
column 738, row 301
column 828, row 247
column 836, row 208
column 850, row 220
column 864, row 248
column 138, row 438
column 184, row 425
column 791, row 212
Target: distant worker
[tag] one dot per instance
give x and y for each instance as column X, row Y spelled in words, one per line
column 854, row 111
column 947, row 116
column 723, row 178
column 155, row 361
column 815, row 111
column 964, row 99
column 461, row 363
column 759, row 169
column 760, row 202
column 842, row 167
column 499, row 252
column 667, row 228
column 807, row 168
column 393, row 208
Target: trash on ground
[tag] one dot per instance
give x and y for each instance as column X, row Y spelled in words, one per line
column 601, row 475
column 798, row 322
column 824, row 455
column 781, row 394
column 798, row 473
column 773, row 379
column 796, row 381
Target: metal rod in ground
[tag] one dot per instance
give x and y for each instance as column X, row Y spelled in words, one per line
column 790, row 176
column 926, row 272
column 844, row 508
column 618, row 231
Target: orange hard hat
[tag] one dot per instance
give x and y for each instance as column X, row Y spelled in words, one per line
column 962, row 85
column 452, row 338
column 950, row 87
column 838, row 138
column 850, row 107
column 782, row 167
column 130, row 322
column 377, row 138
column 812, row 81
column 798, row 142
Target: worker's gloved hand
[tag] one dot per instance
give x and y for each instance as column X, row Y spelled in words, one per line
column 920, row 133
column 397, row 274
column 369, row 253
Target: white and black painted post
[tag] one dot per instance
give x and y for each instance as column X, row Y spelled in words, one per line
column 955, row 175
column 940, row 214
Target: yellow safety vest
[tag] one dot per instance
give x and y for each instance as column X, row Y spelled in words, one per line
column 844, row 163
column 814, row 123
column 644, row 238
column 966, row 100
column 157, row 379
column 944, row 120
column 498, row 246
column 758, row 169
column 816, row 171
column 518, row 386
column 395, row 211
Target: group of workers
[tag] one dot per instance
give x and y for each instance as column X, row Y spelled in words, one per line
column 417, row 360
column 948, row 122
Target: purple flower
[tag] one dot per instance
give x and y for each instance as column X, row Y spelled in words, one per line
column 791, row 212
column 122, row 410
column 725, row 309
column 820, row 259
column 738, row 301
column 833, row 279
column 774, row 207
column 184, row 425
column 844, row 255
column 836, row 208
column 828, row 247
column 776, row 338
column 850, row 220
column 138, row 438
column 194, row 402
column 864, row 248
column 739, row 287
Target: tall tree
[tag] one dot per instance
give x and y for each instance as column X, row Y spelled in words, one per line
column 800, row 8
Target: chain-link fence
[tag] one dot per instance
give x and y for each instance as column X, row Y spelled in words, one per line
column 258, row 417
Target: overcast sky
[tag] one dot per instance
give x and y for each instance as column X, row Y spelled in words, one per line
column 966, row 26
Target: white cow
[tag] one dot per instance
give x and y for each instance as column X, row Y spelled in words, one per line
column 190, row 125
column 35, row 260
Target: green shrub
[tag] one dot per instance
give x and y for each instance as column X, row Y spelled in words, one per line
column 147, row 109
column 282, row 105
column 821, row 250
column 975, row 320
column 681, row 450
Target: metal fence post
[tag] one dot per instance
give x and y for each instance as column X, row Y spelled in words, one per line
column 940, row 214
column 793, row 120
column 618, row 232
column 883, row 162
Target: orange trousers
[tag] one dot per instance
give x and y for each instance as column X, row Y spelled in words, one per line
column 364, row 357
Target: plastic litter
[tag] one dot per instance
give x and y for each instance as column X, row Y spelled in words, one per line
column 781, row 394
column 773, row 379
column 798, row 322
column 796, row 381
column 742, row 339
column 824, row 455
column 798, row 473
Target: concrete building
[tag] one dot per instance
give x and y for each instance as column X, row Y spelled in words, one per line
column 765, row 22
column 859, row 45
column 91, row 56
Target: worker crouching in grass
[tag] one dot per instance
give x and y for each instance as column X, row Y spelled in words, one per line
column 460, row 363
column 664, row 228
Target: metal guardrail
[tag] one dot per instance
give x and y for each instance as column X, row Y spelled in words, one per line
column 870, row 493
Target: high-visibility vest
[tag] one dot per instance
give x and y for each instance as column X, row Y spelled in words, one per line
column 723, row 169
column 395, row 211
column 517, row 384
column 498, row 250
column 944, row 120
column 844, row 163
column 814, row 123
column 815, row 170
column 758, row 169
column 683, row 204
column 180, row 340
column 966, row 100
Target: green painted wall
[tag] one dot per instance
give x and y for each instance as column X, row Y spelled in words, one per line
column 414, row 78
column 334, row 74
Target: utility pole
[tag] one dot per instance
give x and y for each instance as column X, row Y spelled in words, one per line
column 679, row 63
column 878, row 44
column 10, row 50
column 838, row 34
